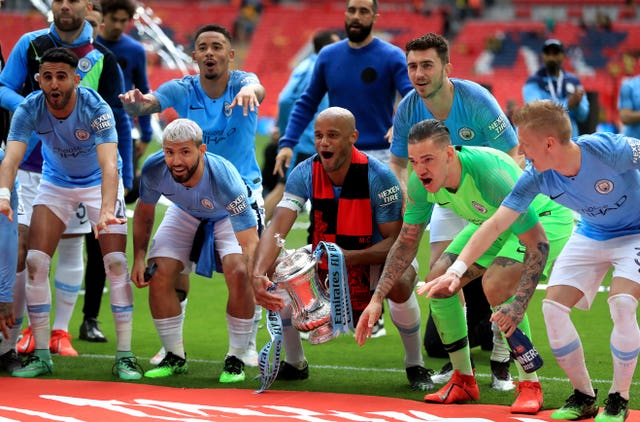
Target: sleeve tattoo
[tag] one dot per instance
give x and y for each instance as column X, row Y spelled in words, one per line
column 401, row 254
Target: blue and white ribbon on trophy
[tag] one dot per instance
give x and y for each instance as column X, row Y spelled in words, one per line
column 341, row 315
column 341, row 312
column 269, row 367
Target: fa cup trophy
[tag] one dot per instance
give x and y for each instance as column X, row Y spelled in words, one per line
column 296, row 274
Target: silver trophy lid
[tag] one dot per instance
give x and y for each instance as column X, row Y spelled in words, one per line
column 292, row 264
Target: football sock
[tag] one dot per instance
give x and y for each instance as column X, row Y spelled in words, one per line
column 566, row 345
column 406, row 317
column 625, row 342
column 68, row 280
column 38, row 294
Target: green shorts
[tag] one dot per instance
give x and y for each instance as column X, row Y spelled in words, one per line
column 558, row 225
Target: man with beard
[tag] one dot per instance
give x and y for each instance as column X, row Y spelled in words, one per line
column 98, row 70
column 80, row 164
column 210, row 202
column 356, row 204
column 551, row 82
column 224, row 103
column 362, row 74
column 473, row 117
column 472, row 181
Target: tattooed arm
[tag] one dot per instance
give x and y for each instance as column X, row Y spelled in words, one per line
column 404, row 249
column 402, row 252
column 481, row 240
column 509, row 315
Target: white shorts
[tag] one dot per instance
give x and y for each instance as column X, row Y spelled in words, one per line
column 27, row 192
column 584, row 262
column 63, row 202
column 445, row 224
column 174, row 237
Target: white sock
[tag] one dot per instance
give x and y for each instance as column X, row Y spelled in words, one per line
column 257, row 316
column 406, row 317
column 293, row 352
column 625, row 342
column 500, row 351
column 68, row 279
column 38, row 293
column 239, row 333
column 170, row 332
column 566, row 345
column 121, row 295
column 183, row 307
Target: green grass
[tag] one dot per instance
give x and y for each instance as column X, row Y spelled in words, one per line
column 337, row 366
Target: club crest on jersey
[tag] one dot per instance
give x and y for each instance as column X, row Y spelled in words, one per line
column 466, row 133
column 481, row 209
column 207, row 203
column 227, row 109
column 84, row 65
column 604, row 186
column 82, row 135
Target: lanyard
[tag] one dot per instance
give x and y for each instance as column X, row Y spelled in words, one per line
column 555, row 93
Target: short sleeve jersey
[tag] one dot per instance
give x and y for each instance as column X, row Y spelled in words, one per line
column 226, row 131
column 475, row 119
column 384, row 190
column 68, row 145
column 220, row 193
column 487, row 178
column 605, row 192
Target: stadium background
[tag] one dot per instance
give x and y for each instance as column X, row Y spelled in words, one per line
column 496, row 44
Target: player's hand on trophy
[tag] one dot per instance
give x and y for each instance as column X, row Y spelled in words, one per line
column 263, row 297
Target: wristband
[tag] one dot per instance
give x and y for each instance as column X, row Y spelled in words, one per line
column 5, row 193
column 458, row 268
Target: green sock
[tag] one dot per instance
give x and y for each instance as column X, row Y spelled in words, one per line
column 448, row 316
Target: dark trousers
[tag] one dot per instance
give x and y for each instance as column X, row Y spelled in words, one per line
column 94, row 278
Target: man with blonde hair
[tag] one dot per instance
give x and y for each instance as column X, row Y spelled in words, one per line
column 598, row 176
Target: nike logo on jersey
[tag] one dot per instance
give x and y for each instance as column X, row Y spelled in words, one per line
column 443, row 203
column 191, row 107
column 556, row 196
